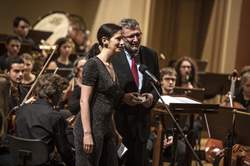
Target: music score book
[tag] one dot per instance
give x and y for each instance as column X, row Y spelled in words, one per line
column 177, row 100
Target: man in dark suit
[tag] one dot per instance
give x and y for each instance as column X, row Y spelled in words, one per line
column 133, row 113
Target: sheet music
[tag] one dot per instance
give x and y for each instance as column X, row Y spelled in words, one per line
column 174, row 99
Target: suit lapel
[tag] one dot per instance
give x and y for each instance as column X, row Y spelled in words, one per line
column 122, row 68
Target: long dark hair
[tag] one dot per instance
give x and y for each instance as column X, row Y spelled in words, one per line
column 106, row 30
column 62, row 41
column 193, row 76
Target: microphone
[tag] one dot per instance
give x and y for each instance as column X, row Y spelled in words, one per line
column 144, row 70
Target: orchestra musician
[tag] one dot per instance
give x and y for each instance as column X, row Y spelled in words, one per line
column 76, row 82
column 186, row 69
column 28, row 76
column 65, row 48
column 14, row 71
column 5, row 156
column 243, row 96
column 168, row 81
column 12, row 94
column 21, row 27
column 40, row 120
column 79, row 35
column 13, row 46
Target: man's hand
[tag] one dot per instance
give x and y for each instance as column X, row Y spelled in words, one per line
column 149, row 100
column 132, row 98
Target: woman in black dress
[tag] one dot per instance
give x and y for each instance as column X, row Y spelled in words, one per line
column 94, row 129
column 65, row 48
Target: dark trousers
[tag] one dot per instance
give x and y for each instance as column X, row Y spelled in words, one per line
column 136, row 154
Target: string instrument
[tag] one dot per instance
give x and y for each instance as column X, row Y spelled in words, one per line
column 214, row 147
column 228, row 101
column 240, row 156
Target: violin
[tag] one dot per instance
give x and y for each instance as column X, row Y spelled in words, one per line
column 228, row 99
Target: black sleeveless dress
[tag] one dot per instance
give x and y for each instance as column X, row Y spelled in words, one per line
column 106, row 94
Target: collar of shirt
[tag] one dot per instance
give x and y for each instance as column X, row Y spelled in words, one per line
column 129, row 58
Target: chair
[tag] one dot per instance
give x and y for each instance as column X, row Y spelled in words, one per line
column 28, row 152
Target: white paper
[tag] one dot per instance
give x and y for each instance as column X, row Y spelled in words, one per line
column 121, row 150
column 174, row 99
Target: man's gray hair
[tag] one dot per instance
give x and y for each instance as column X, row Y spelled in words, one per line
column 129, row 23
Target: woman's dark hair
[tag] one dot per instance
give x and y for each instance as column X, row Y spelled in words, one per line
column 62, row 41
column 193, row 76
column 106, row 30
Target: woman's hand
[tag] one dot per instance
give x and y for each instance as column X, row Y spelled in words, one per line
column 88, row 143
column 118, row 138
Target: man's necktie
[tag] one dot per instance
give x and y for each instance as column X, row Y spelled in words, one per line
column 134, row 71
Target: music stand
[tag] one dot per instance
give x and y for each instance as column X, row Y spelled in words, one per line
column 231, row 129
column 37, row 35
column 193, row 107
column 208, row 80
column 241, row 128
column 194, row 93
column 63, row 72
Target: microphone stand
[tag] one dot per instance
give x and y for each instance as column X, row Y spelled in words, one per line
column 176, row 124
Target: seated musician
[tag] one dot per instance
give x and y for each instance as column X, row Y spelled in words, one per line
column 79, row 35
column 243, row 96
column 39, row 120
column 65, row 48
column 13, row 46
column 5, row 157
column 14, row 72
column 168, row 80
column 187, row 77
column 74, row 98
column 28, row 76
column 21, row 27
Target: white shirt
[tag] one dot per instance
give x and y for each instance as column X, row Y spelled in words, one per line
column 140, row 75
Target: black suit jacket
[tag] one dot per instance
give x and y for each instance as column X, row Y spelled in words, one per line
column 133, row 121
